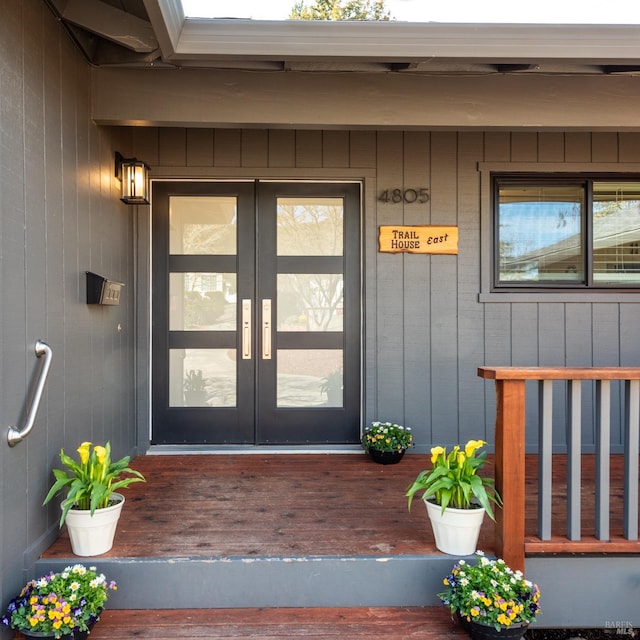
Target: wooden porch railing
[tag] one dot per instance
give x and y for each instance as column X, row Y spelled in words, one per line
column 510, row 460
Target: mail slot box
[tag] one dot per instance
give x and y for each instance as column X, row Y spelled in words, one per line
column 101, row 290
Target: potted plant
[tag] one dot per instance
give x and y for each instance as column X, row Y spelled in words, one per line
column 92, row 505
column 456, row 496
column 59, row 605
column 386, row 442
column 332, row 386
column 489, row 597
column 195, row 391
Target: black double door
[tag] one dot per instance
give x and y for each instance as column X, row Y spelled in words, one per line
column 256, row 313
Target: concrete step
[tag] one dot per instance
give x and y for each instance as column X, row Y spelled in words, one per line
column 238, row 582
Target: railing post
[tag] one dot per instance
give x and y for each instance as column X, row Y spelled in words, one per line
column 510, row 471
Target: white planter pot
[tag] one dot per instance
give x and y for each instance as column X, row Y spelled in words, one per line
column 456, row 530
column 92, row 535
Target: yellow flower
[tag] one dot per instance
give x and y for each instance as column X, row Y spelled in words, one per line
column 435, row 452
column 461, row 458
column 83, row 450
column 472, row 445
column 101, row 454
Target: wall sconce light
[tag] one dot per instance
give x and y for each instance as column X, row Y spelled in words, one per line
column 134, row 176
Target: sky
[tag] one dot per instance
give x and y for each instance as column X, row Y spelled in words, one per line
column 540, row 11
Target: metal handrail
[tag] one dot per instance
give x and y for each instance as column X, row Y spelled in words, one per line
column 15, row 435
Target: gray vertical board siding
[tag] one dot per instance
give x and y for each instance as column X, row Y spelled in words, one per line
column 629, row 321
column 551, row 340
column 417, row 296
column 551, row 147
column 577, row 146
column 629, row 147
column 227, row 148
column 255, row 148
column 13, row 363
column 606, row 353
column 604, row 147
column 362, row 149
column 579, row 353
column 199, row 147
column 444, row 294
column 335, row 149
column 59, row 215
column 525, row 351
column 145, row 145
column 497, row 317
column 35, row 251
column 390, row 296
column 362, row 154
column 524, row 146
column 308, row 149
column 172, row 146
column 470, row 317
column 282, row 148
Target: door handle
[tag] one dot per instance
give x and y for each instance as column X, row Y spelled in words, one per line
column 246, row 329
column 266, row 329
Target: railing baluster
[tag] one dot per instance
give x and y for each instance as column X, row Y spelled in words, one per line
column 574, row 444
column 631, row 436
column 545, row 439
column 509, row 458
column 603, row 431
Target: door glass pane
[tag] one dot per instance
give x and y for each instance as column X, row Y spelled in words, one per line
column 202, row 378
column 202, row 302
column 310, row 226
column 310, row 302
column 309, row 378
column 202, row 225
column 540, row 233
column 616, row 232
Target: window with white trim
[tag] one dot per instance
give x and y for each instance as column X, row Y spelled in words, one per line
column 566, row 232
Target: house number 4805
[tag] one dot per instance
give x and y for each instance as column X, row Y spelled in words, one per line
column 396, row 196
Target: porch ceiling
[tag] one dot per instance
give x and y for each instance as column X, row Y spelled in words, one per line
column 154, row 34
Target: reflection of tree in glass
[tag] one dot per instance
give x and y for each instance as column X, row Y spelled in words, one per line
column 310, row 227
column 214, row 239
column 321, row 296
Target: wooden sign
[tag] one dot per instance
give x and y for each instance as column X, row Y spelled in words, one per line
column 421, row 238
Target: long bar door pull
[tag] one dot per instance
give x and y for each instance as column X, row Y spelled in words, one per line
column 266, row 329
column 246, row 329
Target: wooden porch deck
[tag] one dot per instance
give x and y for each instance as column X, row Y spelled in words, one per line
column 271, row 505
column 311, row 505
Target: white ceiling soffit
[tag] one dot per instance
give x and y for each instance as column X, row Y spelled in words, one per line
column 193, row 39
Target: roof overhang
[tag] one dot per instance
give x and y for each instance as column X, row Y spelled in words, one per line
column 188, row 41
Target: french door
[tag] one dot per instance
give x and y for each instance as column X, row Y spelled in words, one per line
column 256, row 313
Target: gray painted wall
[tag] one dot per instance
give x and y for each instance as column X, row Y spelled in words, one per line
column 427, row 326
column 59, row 216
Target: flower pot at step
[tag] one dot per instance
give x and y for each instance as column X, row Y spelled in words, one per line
column 386, row 457
column 92, row 535
column 477, row 631
column 456, row 530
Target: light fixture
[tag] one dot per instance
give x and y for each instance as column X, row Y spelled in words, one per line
column 134, row 176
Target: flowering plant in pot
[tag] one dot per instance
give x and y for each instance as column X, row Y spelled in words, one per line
column 454, row 492
column 386, row 441
column 92, row 484
column 453, row 480
column 491, row 594
column 57, row 605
